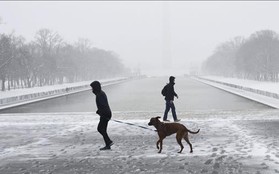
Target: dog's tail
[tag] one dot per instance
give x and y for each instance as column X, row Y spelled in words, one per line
column 193, row 132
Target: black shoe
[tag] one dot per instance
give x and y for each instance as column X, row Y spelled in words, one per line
column 111, row 143
column 105, row 148
column 177, row 120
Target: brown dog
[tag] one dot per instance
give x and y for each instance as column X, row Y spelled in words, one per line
column 166, row 129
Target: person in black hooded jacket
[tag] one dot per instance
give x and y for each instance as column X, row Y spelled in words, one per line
column 103, row 110
column 169, row 97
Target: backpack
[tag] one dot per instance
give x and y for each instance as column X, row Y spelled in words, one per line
column 164, row 91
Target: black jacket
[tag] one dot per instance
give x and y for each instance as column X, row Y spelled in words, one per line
column 170, row 92
column 102, row 105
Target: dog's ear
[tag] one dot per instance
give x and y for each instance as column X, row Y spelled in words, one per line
column 157, row 117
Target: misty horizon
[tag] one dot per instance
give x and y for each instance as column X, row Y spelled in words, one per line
column 158, row 38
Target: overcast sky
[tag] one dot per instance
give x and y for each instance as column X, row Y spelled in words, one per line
column 154, row 36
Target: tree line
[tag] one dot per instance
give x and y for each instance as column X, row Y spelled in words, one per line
column 254, row 58
column 49, row 60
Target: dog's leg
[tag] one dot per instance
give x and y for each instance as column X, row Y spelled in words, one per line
column 161, row 145
column 179, row 136
column 186, row 138
column 160, row 141
column 157, row 144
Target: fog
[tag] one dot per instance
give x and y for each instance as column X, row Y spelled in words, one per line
column 159, row 38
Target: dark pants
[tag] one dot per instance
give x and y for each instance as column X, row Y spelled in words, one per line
column 170, row 105
column 102, row 129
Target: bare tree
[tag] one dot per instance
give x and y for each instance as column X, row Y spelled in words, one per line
column 5, row 58
column 48, row 43
column 222, row 62
column 48, row 60
column 254, row 58
column 258, row 57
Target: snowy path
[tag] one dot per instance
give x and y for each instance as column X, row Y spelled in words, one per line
column 69, row 143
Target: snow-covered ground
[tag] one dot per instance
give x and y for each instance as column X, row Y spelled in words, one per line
column 263, row 92
column 228, row 142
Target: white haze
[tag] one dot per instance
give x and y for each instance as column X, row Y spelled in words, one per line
column 156, row 37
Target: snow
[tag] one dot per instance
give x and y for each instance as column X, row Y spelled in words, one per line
column 260, row 85
column 268, row 94
column 228, row 142
column 69, row 143
column 266, row 87
column 17, row 97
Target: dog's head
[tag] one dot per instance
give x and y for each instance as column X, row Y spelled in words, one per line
column 154, row 121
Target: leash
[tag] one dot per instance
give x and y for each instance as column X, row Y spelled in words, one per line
column 132, row 124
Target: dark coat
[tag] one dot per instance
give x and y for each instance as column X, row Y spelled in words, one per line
column 101, row 100
column 102, row 105
column 170, row 92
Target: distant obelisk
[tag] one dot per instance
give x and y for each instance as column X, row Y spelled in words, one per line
column 166, row 36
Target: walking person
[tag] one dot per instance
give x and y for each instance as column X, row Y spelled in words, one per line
column 103, row 110
column 169, row 93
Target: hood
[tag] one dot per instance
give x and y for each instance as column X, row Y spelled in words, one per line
column 96, row 87
column 171, row 79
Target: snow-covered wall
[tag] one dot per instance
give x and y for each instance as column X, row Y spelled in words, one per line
column 266, row 95
column 19, row 97
column 257, row 91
